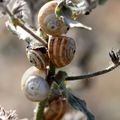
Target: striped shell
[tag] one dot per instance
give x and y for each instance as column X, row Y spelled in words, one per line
column 38, row 57
column 56, row 109
column 33, row 85
column 48, row 21
column 61, row 50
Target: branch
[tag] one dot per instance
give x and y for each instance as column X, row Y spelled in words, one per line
column 106, row 70
column 115, row 57
column 18, row 22
column 31, row 33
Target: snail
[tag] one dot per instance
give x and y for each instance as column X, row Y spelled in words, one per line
column 34, row 86
column 48, row 21
column 56, row 109
column 38, row 56
column 61, row 50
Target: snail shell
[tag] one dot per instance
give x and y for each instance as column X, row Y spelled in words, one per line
column 34, row 86
column 48, row 20
column 56, row 109
column 38, row 57
column 61, row 50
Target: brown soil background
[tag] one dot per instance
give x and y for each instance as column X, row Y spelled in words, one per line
column 103, row 97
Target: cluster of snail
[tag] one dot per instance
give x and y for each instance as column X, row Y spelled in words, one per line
column 50, row 48
column 59, row 51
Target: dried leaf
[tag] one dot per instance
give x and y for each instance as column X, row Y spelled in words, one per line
column 7, row 115
column 74, row 10
column 79, row 104
column 73, row 23
column 68, row 14
column 21, row 10
column 21, row 34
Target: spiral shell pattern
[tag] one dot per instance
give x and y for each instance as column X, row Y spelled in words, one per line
column 34, row 86
column 48, row 21
column 37, row 57
column 61, row 50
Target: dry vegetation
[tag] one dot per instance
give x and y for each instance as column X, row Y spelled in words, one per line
column 103, row 97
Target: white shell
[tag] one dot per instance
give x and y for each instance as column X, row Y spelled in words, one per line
column 34, row 86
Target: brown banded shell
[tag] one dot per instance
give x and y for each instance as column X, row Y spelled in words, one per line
column 33, row 85
column 48, row 21
column 61, row 50
column 56, row 109
column 38, row 57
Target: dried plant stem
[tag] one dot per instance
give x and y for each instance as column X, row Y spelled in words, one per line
column 106, row 70
column 39, row 110
column 33, row 34
column 18, row 22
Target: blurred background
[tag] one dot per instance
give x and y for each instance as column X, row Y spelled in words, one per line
column 101, row 93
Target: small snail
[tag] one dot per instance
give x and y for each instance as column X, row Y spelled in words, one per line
column 34, row 86
column 49, row 22
column 38, row 57
column 56, row 109
column 61, row 50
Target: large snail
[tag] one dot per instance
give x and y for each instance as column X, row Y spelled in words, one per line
column 34, row 86
column 48, row 21
column 61, row 50
column 38, row 56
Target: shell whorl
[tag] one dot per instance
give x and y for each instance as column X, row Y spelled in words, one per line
column 38, row 57
column 61, row 50
column 48, row 21
column 34, row 86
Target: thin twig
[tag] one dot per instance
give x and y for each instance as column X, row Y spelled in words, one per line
column 19, row 23
column 33, row 34
column 106, row 70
